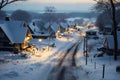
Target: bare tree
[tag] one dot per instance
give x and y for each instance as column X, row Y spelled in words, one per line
column 112, row 6
column 114, row 29
column 50, row 9
column 21, row 15
column 50, row 14
column 3, row 3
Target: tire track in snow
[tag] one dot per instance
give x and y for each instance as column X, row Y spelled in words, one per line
column 62, row 71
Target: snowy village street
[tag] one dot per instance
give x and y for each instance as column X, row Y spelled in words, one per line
column 64, row 69
column 63, row 62
column 59, row 39
column 60, row 65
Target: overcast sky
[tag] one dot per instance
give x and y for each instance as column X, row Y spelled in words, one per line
column 63, row 1
column 60, row 5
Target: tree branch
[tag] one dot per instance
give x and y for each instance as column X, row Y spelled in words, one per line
column 3, row 3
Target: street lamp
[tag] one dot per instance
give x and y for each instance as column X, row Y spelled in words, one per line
column 86, row 55
column 84, row 35
column 40, row 40
column 48, row 42
column 85, row 47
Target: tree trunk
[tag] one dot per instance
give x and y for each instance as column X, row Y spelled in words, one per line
column 114, row 29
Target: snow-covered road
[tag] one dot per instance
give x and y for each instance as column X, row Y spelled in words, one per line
column 36, row 67
column 47, row 65
column 65, row 64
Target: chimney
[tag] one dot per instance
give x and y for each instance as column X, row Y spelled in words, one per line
column 7, row 18
column 33, row 23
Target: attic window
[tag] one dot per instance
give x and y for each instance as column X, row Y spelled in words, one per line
column 24, row 25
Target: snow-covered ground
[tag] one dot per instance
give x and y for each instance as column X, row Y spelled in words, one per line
column 94, row 66
column 37, row 66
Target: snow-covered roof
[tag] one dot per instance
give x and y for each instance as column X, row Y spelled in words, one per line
column 15, row 31
column 108, row 26
column 33, row 28
column 47, row 25
column 80, row 27
column 64, row 25
column 54, row 27
column 118, row 37
column 91, row 30
column 71, row 23
column 118, row 24
column 110, row 40
column 35, row 20
column 90, row 23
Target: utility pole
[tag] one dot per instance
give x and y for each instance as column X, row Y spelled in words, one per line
column 49, row 36
column 114, row 29
column 86, row 49
column 68, row 33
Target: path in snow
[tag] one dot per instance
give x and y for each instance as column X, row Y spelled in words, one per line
column 66, row 68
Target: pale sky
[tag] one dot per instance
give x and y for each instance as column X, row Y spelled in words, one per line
column 63, row 1
column 60, row 5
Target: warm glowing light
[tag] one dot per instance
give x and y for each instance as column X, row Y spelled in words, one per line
column 83, row 34
column 39, row 40
column 27, row 39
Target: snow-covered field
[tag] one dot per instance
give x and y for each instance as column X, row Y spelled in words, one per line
column 38, row 66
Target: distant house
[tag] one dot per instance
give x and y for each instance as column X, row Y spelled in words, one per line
column 33, row 28
column 63, row 27
column 79, row 22
column 40, row 26
column 109, row 43
column 53, row 29
column 36, row 32
column 90, row 25
column 71, row 24
column 47, row 25
column 118, row 27
column 14, row 35
column 107, row 29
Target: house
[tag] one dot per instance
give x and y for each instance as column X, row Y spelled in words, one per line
column 39, row 25
column 71, row 24
column 90, row 25
column 36, row 32
column 107, row 29
column 63, row 27
column 79, row 22
column 108, row 43
column 14, row 35
column 33, row 28
column 47, row 25
column 53, row 29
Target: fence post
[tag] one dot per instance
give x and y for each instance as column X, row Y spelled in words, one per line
column 95, row 65
column 91, row 60
column 103, row 73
